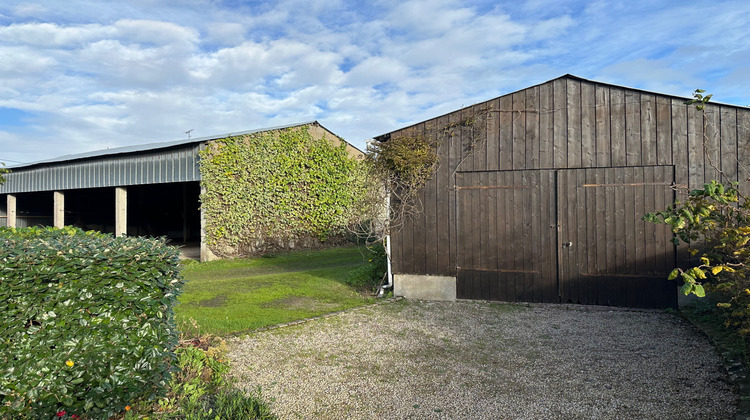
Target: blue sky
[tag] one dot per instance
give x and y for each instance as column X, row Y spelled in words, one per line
column 83, row 75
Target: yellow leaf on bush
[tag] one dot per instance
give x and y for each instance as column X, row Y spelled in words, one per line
column 716, row 270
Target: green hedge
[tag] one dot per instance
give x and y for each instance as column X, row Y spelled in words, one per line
column 86, row 321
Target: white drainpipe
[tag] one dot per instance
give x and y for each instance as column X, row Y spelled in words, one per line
column 389, row 272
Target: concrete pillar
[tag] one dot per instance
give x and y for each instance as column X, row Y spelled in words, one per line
column 206, row 254
column 121, row 211
column 11, row 220
column 58, row 215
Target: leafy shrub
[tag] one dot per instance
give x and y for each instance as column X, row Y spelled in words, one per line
column 409, row 161
column 371, row 275
column 715, row 222
column 201, row 388
column 397, row 171
column 86, row 321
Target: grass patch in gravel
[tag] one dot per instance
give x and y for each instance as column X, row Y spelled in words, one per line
column 728, row 343
column 232, row 296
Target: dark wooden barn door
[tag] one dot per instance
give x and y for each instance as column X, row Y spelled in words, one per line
column 607, row 255
column 506, row 236
column 565, row 236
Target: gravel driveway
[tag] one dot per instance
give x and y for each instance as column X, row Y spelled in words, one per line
column 479, row 360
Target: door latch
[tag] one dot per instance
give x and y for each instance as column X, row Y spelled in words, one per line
column 567, row 244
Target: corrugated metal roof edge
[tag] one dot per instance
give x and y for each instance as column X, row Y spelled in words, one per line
column 160, row 145
column 385, row 136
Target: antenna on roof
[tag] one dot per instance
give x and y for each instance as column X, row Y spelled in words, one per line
column 189, row 131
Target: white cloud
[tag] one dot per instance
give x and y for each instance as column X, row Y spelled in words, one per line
column 225, row 33
column 118, row 65
column 429, row 18
column 22, row 62
column 551, row 28
column 102, row 75
column 377, row 70
column 29, row 10
column 313, row 68
column 152, row 32
column 50, row 35
column 285, row 64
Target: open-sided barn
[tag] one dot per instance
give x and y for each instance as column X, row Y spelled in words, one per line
column 539, row 194
column 146, row 190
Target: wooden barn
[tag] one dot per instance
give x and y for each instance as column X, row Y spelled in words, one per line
column 539, row 194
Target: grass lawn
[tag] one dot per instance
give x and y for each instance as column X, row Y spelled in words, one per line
column 231, row 296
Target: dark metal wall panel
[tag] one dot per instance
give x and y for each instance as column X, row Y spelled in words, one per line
column 165, row 166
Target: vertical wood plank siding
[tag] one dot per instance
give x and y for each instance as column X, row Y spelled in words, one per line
column 546, row 126
column 743, row 150
column 503, row 238
column 617, row 119
column 588, row 125
column 532, row 128
column 560, row 129
column 443, row 184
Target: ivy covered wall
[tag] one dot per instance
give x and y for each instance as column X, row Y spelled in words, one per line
column 289, row 188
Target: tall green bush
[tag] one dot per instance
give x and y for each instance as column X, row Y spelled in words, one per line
column 86, row 321
column 715, row 223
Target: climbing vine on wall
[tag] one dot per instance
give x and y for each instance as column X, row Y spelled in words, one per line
column 2, row 171
column 400, row 166
column 273, row 188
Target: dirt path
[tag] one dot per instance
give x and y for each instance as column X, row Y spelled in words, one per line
column 474, row 360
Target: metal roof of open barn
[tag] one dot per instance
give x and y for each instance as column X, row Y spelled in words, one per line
column 151, row 146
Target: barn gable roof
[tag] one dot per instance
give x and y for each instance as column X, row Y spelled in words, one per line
column 386, row 136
